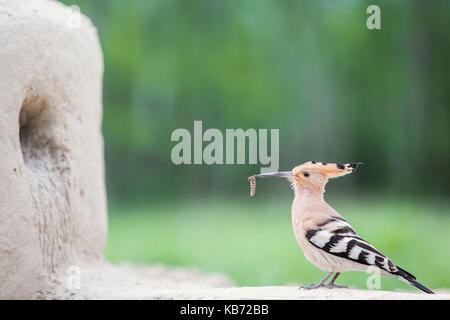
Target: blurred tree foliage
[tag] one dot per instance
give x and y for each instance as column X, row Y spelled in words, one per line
column 337, row 91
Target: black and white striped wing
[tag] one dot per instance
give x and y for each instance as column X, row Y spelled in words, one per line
column 338, row 238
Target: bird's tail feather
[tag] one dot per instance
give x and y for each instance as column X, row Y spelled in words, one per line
column 409, row 278
column 420, row 286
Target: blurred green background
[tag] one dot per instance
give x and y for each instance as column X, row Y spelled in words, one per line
column 337, row 91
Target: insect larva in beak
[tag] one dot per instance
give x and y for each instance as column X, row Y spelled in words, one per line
column 252, row 185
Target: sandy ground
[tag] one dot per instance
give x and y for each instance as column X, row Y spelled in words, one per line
column 126, row 281
column 257, row 293
column 294, row 293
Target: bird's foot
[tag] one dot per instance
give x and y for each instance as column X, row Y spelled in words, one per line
column 334, row 286
column 312, row 286
column 328, row 286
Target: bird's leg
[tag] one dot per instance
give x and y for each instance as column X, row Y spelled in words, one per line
column 331, row 285
column 321, row 284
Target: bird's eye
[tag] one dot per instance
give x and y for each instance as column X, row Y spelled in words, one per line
column 306, row 174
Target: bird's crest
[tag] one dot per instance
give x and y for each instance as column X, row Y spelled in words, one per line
column 330, row 170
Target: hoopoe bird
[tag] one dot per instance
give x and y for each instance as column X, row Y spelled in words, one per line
column 326, row 238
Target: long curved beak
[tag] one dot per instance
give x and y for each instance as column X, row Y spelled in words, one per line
column 279, row 174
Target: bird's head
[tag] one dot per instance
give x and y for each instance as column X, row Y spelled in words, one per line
column 313, row 175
